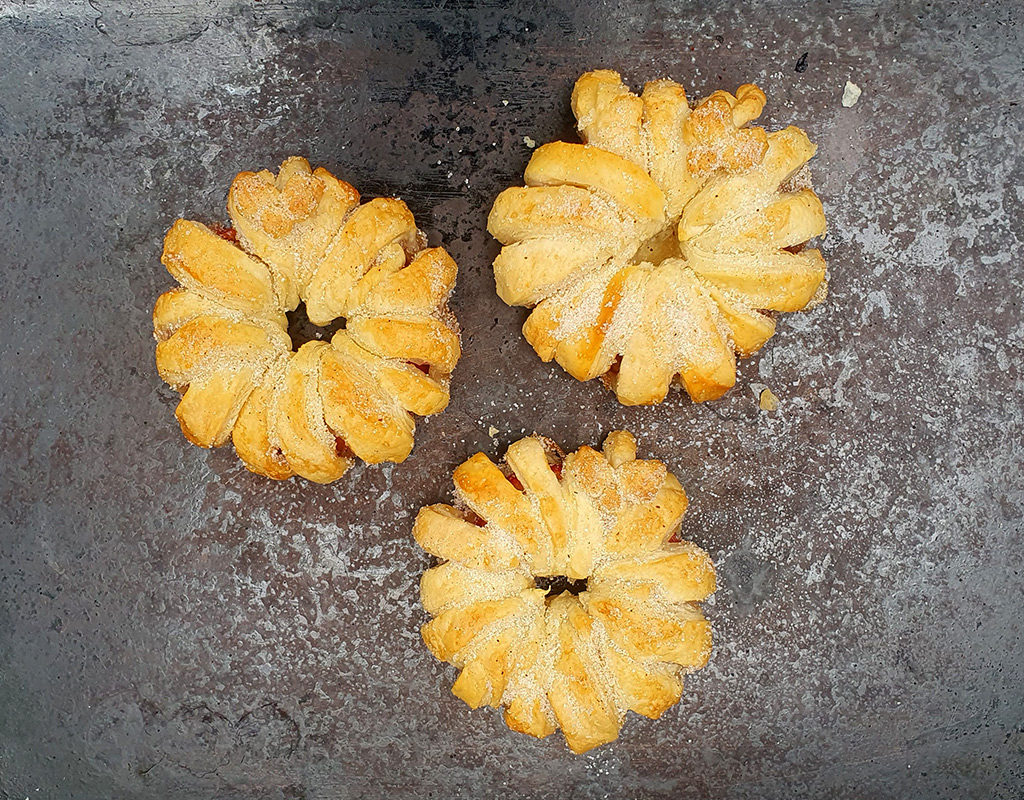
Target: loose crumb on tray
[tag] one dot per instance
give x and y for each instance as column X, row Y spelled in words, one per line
column 767, row 401
column 851, row 94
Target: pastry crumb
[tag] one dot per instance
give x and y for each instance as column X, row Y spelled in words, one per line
column 529, row 142
column 492, row 431
column 851, row 94
column 767, row 401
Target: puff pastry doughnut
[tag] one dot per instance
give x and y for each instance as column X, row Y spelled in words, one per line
column 303, row 236
column 575, row 660
column 659, row 249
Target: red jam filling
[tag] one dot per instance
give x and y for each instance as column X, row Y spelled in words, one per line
column 515, row 482
column 475, row 519
column 342, row 449
column 677, row 533
column 224, row 232
column 557, row 469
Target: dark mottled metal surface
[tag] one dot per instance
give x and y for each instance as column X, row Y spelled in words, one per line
column 171, row 626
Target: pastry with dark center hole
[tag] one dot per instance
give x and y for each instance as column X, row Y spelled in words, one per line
column 659, row 250
column 563, row 595
column 293, row 408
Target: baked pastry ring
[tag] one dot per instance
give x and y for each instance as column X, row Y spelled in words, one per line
column 302, row 236
column 552, row 659
column 658, row 250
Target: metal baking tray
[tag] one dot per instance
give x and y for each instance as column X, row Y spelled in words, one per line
column 172, row 626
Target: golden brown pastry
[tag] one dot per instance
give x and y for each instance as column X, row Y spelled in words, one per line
column 659, row 249
column 511, row 612
column 302, row 236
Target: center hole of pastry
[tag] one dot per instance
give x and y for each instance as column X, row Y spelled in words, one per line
column 301, row 330
column 663, row 245
column 559, row 584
